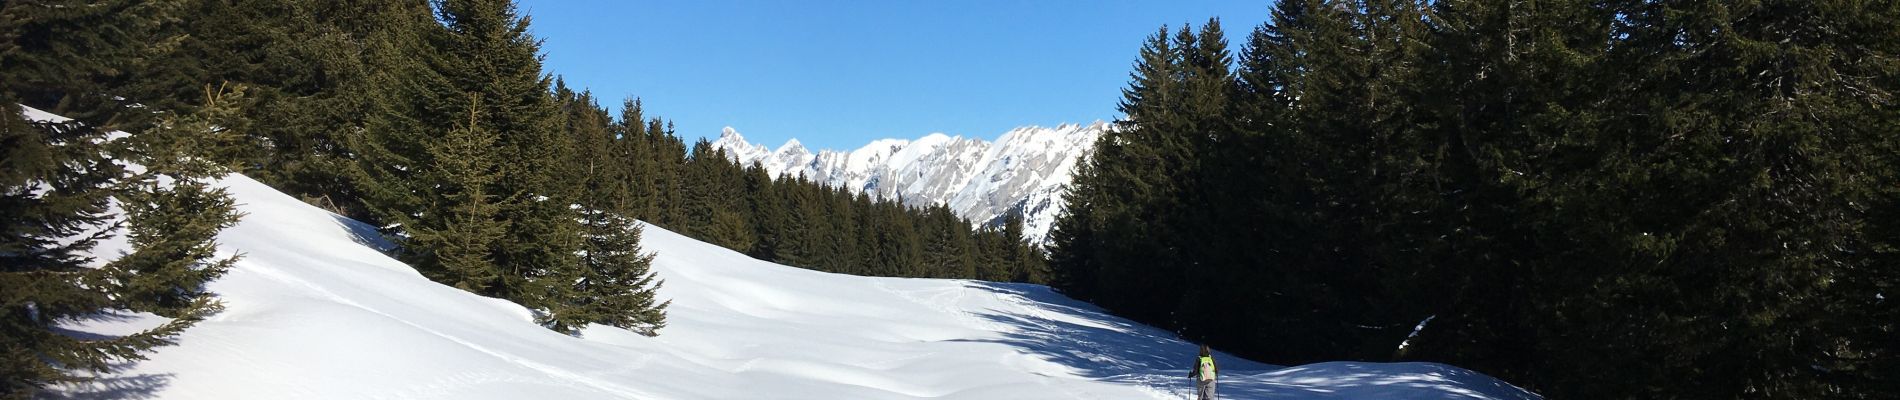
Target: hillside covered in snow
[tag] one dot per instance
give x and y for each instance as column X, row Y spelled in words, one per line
column 315, row 311
column 1024, row 171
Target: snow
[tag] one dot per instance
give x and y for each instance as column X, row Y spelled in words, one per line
column 37, row 115
column 1415, row 331
column 315, row 311
column 1025, row 171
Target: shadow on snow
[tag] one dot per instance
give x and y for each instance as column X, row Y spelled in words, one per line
column 1097, row 345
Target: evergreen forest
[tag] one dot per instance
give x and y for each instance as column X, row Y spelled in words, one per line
column 1590, row 199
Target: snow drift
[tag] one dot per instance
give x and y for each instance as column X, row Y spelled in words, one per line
column 315, row 311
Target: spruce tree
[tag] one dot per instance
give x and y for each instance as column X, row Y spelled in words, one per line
column 1073, row 267
column 618, row 287
column 1131, row 168
column 457, row 247
column 61, row 175
column 767, row 211
column 173, row 213
column 1026, row 263
column 488, row 51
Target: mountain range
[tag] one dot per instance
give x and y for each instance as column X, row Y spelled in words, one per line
column 1024, row 172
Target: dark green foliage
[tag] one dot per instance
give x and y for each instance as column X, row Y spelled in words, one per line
column 46, row 281
column 615, row 285
column 497, row 180
column 58, row 182
column 457, row 246
column 1620, row 199
column 172, row 214
column 488, row 53
column 798, row 222
column 62, row 56
column 58, row 179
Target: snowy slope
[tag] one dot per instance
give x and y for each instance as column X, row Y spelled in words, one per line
column 1024, row 171
column 315, row 311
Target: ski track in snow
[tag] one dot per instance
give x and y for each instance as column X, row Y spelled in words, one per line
column 315, row 311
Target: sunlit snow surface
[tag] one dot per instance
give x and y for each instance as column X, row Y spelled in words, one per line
column 314, row 311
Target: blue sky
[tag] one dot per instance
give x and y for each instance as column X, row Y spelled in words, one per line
column 838, row 74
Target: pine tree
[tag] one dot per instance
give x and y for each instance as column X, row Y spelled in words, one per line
column 632, row 139
column 669, row 164
column 489, row 52
column 943, row 252
column 61, row 56
column 60, row 176
column 1131, row 167
column 457, row 247
column 1025, row 261
column 618, row 287
column 869, row 234
column 1728, row 156
column 172, row 212
column 992, row 262
column 1073, row 267
column 49, row 277
column 797, row 240
column 767, row 211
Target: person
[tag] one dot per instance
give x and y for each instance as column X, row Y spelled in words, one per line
column 1203, row 375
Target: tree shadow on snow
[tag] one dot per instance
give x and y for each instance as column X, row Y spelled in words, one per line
column 364, row 234
column 1350, row 380
column 113, row 383
column 1097, row 345
column 1092, row 342
column 142, row 386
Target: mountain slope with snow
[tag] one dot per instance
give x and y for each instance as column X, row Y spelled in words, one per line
column 1024, row 171
column 315, row 310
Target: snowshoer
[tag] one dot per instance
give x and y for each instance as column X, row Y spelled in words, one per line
column 1203, row 375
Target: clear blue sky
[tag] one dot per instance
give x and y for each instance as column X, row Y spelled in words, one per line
column 838, row 74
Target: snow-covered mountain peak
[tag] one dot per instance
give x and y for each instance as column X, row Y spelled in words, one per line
column 1023, row 172
column 734, row 143
column 792, row 147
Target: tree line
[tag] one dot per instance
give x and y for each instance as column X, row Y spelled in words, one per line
column 799, row 222
column 1592, row 199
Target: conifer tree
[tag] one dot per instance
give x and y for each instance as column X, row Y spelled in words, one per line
column 488, row 51
column 768, row 212
column 457, row 247
column 50, row 277
column 59, row 177
column 992, row 262
column 1073, row 267
column 1025, row 261
column 942, row 256
column 172, row 212
column 840, row 233
column 1136, row 172
column 865, row 238
column 618, row 287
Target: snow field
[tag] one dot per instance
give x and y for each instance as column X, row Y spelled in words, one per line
column 315, row 311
